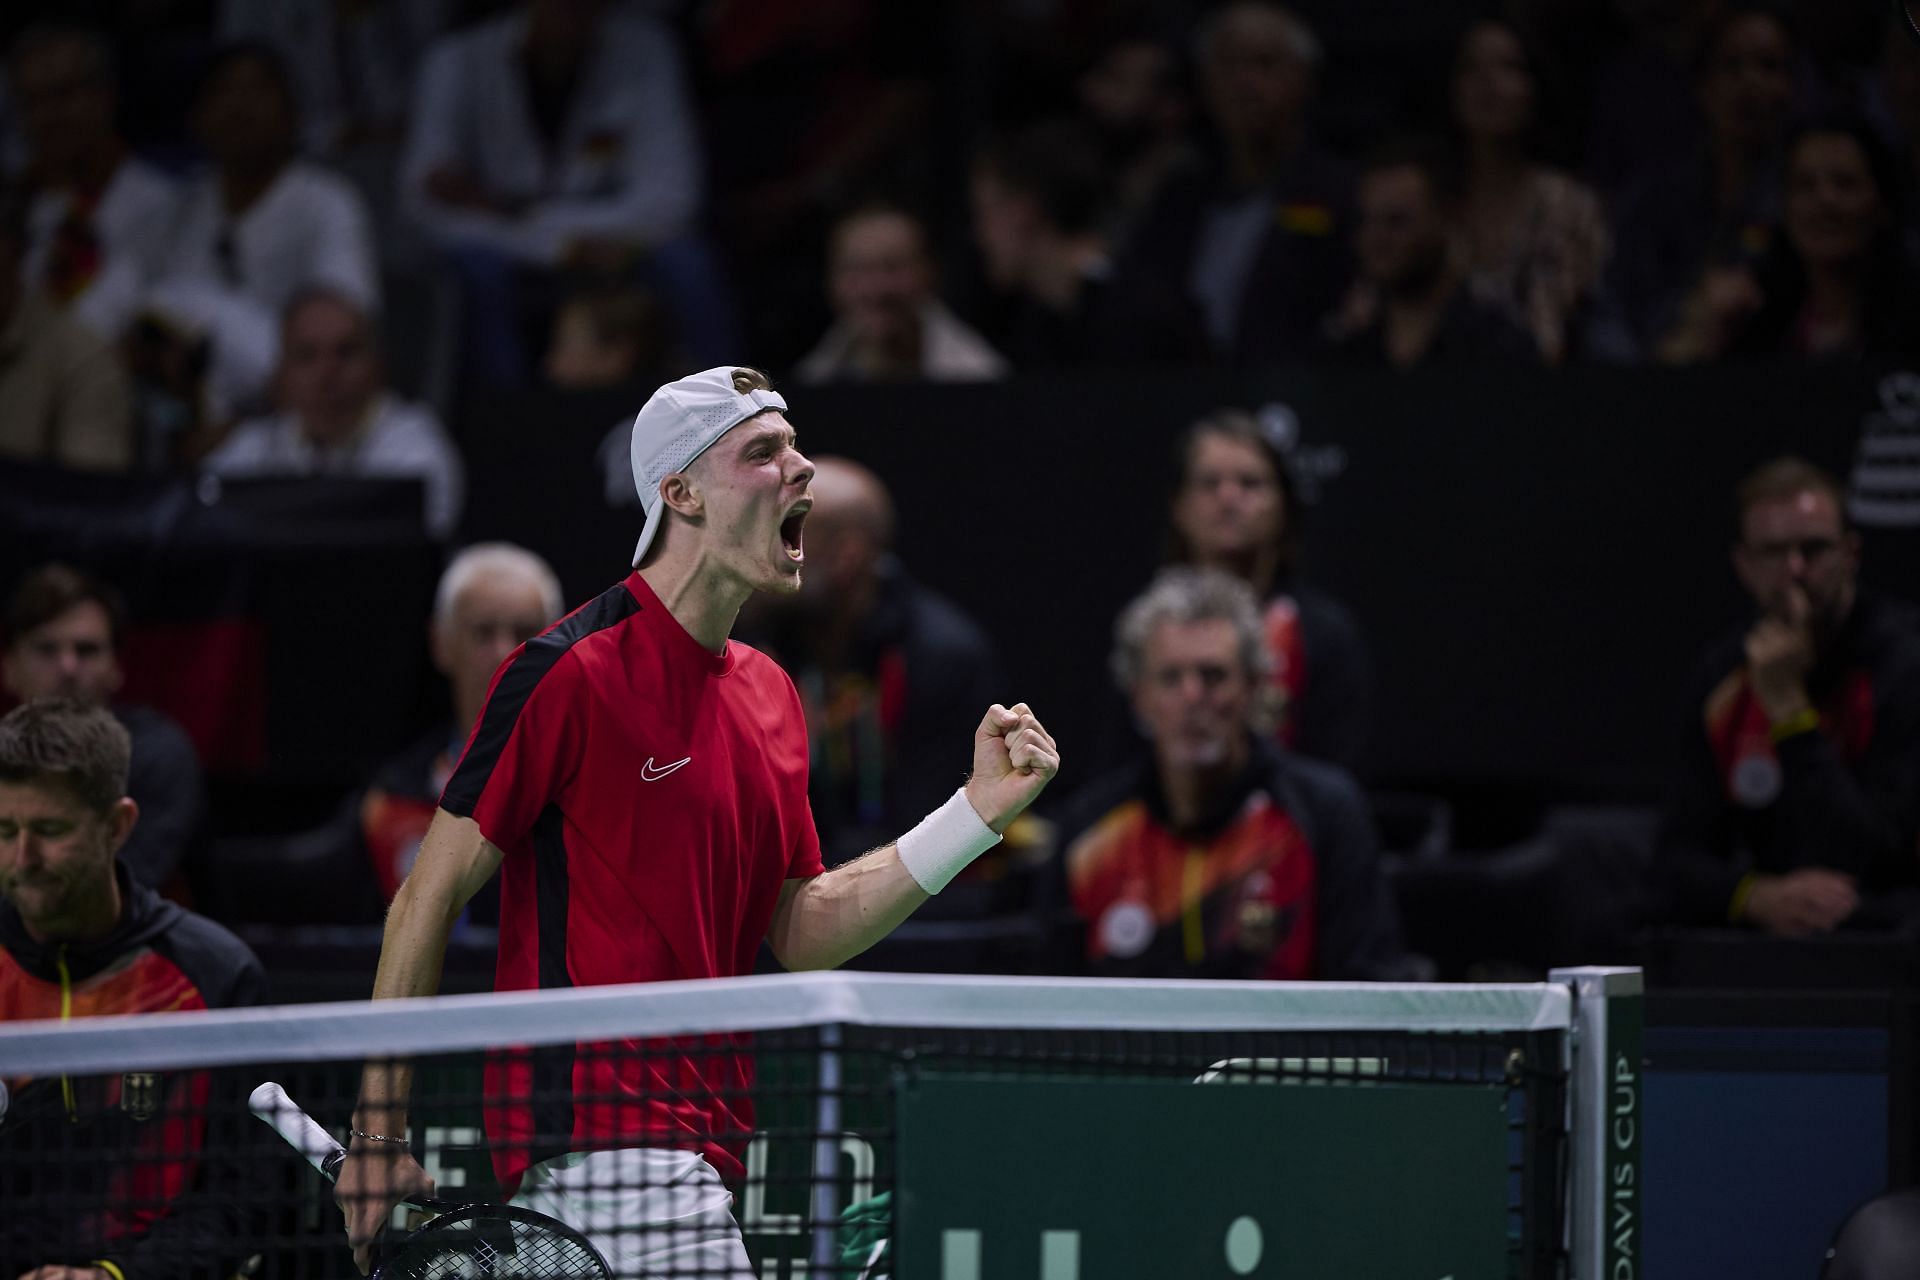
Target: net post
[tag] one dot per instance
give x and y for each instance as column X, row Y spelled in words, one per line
column 1604, row 1218
column 826, row 1151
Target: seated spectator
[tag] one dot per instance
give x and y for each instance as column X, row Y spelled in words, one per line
column 805, row 108
column 1800, row 791
column 1130, row 92
column 1835, row 286
column 354, row 63
column 258, row 229
column 337, row 417
column 1222, row 856
column 1535, row 239
column 1719, row 206
column 1255, row 231
column 1040, row 207
column 492, row 599
column 98, row 221
column 63, row 395
column 1410, row 304
column 111, row 1193
column 64, row 632
column 559, row 135
column 605, row 337
column 885, row 667
column 1235, row 508
column 889, row 323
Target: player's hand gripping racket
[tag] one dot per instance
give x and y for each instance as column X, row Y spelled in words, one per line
column 464, row 1241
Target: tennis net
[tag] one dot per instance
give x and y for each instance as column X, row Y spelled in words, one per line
column 866, row 1126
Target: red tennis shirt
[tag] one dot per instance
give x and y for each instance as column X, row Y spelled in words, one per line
column 650, row 798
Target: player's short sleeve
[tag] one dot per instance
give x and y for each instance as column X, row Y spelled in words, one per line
column 804, row 862
column 525, row 747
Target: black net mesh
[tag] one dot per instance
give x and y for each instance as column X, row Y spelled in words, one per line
column 815, row 1152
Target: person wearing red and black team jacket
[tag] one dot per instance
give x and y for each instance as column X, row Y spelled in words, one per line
column 1224, row 856
column 120, row 1169
column 1798, row 807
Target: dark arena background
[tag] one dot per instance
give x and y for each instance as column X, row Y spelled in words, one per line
column 1540, row 377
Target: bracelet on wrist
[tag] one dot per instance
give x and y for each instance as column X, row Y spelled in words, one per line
column 378, row 1137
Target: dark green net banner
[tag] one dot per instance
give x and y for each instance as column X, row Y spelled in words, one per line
column 1077, row 1180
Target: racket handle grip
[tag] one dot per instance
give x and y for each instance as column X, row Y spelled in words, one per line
column 271, row 1103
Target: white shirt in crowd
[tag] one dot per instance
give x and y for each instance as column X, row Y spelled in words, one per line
column 950, row 351
column 230, row 278
column 626, row 165
column 398, row 441
column 309, row 228
column 130, row 221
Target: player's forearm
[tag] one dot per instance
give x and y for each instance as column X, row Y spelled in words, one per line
column 453, row 862
column 412, row 954
column 828, row 920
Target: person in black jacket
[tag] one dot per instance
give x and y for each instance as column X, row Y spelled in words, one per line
column 1223, row 856
column 64, row 632
column 1042, row 200
column 887, row 668
column 1835, row 285
column 135, row 1175
column 1799, row 800
column 1256, row 232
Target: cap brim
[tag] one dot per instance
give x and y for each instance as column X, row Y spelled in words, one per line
column 647, row 534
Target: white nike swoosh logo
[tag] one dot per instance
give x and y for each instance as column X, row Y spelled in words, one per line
column 648, row 773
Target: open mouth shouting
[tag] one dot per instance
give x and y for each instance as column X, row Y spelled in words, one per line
column 790, row 528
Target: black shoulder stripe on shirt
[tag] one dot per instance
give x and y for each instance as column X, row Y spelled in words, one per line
column 517, row 683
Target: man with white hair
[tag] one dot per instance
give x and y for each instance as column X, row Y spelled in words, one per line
column 640, row 781
column 493, row 598
column 1223, row 856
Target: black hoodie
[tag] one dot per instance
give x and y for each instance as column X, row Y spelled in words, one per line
column 136, row 1171
column 1845, row 795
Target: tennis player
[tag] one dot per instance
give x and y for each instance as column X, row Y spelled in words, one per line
column 641, row 782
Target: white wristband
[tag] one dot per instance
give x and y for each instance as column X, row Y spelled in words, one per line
column 945, row 842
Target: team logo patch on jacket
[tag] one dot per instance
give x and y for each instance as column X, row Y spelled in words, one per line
column 140, row 1094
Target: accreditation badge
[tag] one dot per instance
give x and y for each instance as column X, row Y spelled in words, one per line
column 1756, row 780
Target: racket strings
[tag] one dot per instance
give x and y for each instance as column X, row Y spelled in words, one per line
column 468, row 1251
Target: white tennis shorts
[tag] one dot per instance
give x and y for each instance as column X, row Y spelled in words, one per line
column 652, row 1213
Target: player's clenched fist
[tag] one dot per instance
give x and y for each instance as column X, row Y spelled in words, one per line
column 1014, row 757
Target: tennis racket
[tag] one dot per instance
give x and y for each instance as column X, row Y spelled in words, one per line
column 463, row 1241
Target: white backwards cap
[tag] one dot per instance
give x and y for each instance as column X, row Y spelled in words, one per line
column 677, row 424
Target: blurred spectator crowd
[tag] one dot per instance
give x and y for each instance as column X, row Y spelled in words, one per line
column 232, row 227
column 295, row 237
